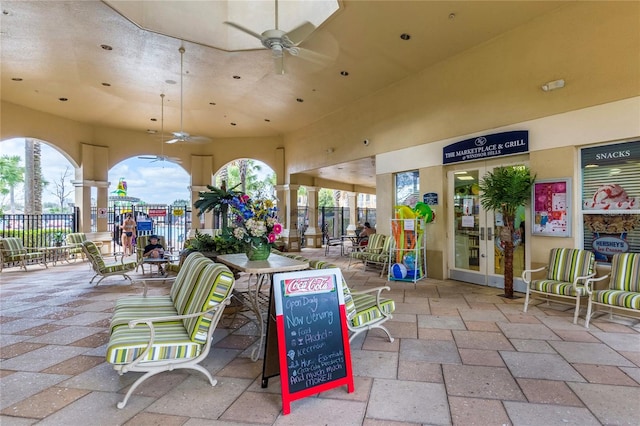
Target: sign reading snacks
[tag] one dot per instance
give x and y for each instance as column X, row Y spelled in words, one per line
column 313, row 340
column 483, row 147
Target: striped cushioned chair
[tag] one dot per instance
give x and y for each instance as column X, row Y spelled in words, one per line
column 375, row 245
column 101, row 268
column 365, row 309
column 136, row 307
column 567, row 272
column 382, row 259
column 13, row 251
column 181, row 339
column 75, row 239
column 623, row 293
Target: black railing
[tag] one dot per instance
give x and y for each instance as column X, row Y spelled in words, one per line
column 172, row 222
column 38, row 230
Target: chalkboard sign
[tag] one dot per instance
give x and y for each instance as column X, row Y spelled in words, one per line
column 313, row 340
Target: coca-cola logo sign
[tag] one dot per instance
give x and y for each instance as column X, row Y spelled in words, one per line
column 308, row 285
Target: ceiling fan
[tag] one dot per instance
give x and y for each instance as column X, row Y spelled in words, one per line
column 161, row 157
column 183, row 136
column 279, row 42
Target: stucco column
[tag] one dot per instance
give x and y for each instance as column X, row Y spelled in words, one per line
column 352, row 200
column 201, row 176
column 313, row 234
column 93, row 171
column 288, row 213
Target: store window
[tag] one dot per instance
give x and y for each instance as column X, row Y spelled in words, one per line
column 611, row 199
column 407, row 188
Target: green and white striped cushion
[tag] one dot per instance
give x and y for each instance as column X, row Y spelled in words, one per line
column 171, row 342
column 376, row 243
column 558, row 287
column 623, row 299
column 568, row 264
column 95, row 254
column 214, row 285
column 137, row 307
column 189, row 271
column 367, row 310
column 625, row 272
column 76, row 238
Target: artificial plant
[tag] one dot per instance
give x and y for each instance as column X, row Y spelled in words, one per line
column 505, row 190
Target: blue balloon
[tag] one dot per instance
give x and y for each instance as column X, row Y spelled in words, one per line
column 409, row 261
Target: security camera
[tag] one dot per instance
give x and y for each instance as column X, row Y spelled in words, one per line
column 366, row 142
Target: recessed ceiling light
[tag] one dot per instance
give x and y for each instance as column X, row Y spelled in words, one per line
column 267, row 120
column 300, row 100
column 212, row 103
column 152, row 131
column 154, row 119
column 344, row 73
column 452, row 16
column 16, row 79
column 233, row 124
column 63, row 99
column 405, row 36
column 237, row 77
column 106, row 84
column 106, row 47
column 5, row 12
column 170, row 81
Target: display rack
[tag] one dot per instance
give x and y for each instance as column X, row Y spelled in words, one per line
column 408, row 256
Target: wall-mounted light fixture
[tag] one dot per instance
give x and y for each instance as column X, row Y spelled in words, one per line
column 553, row 85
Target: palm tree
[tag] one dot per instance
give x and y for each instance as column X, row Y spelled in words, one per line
column 11, row 174
column 505, row 190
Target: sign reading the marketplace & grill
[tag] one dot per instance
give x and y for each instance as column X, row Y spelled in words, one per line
column 484, row 147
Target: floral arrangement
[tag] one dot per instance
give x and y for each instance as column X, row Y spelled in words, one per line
column 254, row 222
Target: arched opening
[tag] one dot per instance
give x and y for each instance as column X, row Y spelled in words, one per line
column 56, row 171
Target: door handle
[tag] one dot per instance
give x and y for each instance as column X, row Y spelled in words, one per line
column 489, row 234
column 481, row 234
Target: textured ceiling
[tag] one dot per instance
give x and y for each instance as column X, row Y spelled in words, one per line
column 55, row 48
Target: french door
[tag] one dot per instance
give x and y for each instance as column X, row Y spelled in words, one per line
column 476, row 254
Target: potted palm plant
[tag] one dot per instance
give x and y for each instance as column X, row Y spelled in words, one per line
column 57, row 238
column 217, row 200
column 505, row 190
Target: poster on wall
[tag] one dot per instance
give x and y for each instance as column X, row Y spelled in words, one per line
column 611, row 199
column 551, row 201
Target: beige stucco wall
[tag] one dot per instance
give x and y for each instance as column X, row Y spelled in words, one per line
column 592, row 45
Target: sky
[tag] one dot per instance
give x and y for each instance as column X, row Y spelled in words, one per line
column 159, row 182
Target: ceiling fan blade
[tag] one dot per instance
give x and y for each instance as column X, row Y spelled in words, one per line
column 143, row 157
column 174, row 140
column 300, row 33
column 310, row 55
column 244, row 30
column 199, row 139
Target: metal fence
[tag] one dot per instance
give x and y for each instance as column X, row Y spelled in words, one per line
column 172, row 222
column 334, row 220
column 38, row 230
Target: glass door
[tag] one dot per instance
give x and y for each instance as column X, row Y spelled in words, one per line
column 477, row 254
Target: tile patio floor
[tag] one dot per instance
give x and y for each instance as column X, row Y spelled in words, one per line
column 462, row 356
